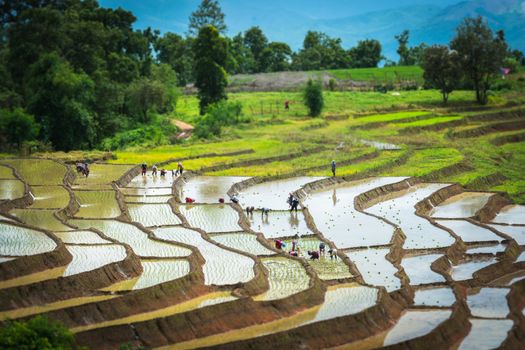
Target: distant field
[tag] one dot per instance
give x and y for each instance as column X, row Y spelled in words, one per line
column 380, row 75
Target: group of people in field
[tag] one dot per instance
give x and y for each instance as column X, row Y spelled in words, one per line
column 155, row 170
column 312, row 254
column 83, row 168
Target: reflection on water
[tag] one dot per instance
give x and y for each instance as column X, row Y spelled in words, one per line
column 415, row 324
column 486, row 334
column 463, row 205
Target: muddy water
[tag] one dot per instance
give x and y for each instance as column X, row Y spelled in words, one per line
column 88, row 258
column 492, row 249
column 463, row 205
column 286, row 277
column 6, row 173
column 420, row 233
column 279, row 224
column 489, row 303
column 150, row 181
column 222, row 267
column 101, row 174
column 486, row 334
column 11, row 189
column 146, row 191
column 469, row 232
column 380, row 145
column 414, row 324
column 374, row 267
column 511, row 214
column 147, row 199
column 208, row 189
column 242, row 241
column 326, row 268
column 418, row 269
column 273, row 194
column 192, row 304
column 138, row 240
column 153, row 214
column 80, row 237
column 335, row 216
column 516, row 232
column 19, row 241
column 435, row 296
column 155, row 272
column 41, row 218
column 49, row 197
column 24, row 312
column 97, row 205
column 211, row 218
column 464, row 271
column 39, row 171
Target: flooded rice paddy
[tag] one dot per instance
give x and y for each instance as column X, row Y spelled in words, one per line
column 11, row 189
column 161, row 240
column 20, row 241
column 335, row 216
column 511, row 214
column 419, row 232
column 415, row 323
column 375, row 269
column 222, row 267
column 153, row 214
column 286, row 277
column 463, row 205
column 88, row 258
column 137, row 239
column 211, row 218
column 208, row 189
column 242, row 241
column 97, row 204
column 273, row 194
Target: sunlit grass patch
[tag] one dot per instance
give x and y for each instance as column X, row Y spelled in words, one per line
column 422, row 162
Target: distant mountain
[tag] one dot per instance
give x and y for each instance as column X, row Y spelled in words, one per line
column 431, row 24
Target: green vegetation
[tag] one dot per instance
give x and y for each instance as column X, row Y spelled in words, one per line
column 380, row 75
column 313, row 98
column 36, row 334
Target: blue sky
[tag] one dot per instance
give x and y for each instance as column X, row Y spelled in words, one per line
column 172, row 15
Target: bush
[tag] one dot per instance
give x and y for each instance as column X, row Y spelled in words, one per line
column 218, row 115
column 313, row 97
column 332, row 85
column 37, row 333
column 17, row 126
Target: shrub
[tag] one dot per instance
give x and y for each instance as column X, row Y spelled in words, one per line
column 37, row 333
column 313, row 97
column 332, row 85
column 218, row 115
column 17, row 126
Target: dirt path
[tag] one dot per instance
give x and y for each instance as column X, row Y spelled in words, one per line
column 185, row 129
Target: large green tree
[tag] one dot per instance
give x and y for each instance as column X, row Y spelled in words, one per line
column 176, row 51
column 321, row 52
column 209, row 12
column 211, row 54
column 276, row 57
column 366, row 54
column 441, row 69
column 481, row 54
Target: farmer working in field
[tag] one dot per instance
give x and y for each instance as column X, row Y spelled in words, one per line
column 333, row 167
column 144, row 167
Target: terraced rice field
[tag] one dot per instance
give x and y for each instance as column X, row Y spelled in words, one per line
column 211, row 218
column 222, row 267
column 242, row 241
column 97, row 204
column 198, row 275
column 11, row 189
column 208, row 189
column 153, row 214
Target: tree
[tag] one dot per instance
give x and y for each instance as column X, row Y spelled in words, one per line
column 37, row 333
column 321, row 52
column 176, row 51
column 481, row 54
column 146, row 96
column 366, row 54
column 441, row 69
column 313, row 97
column 240, row 57
column 403, row 50
column 209, row 12
column 276, row 57
column 256, row 41
column 17, row 126
column 211, row 54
